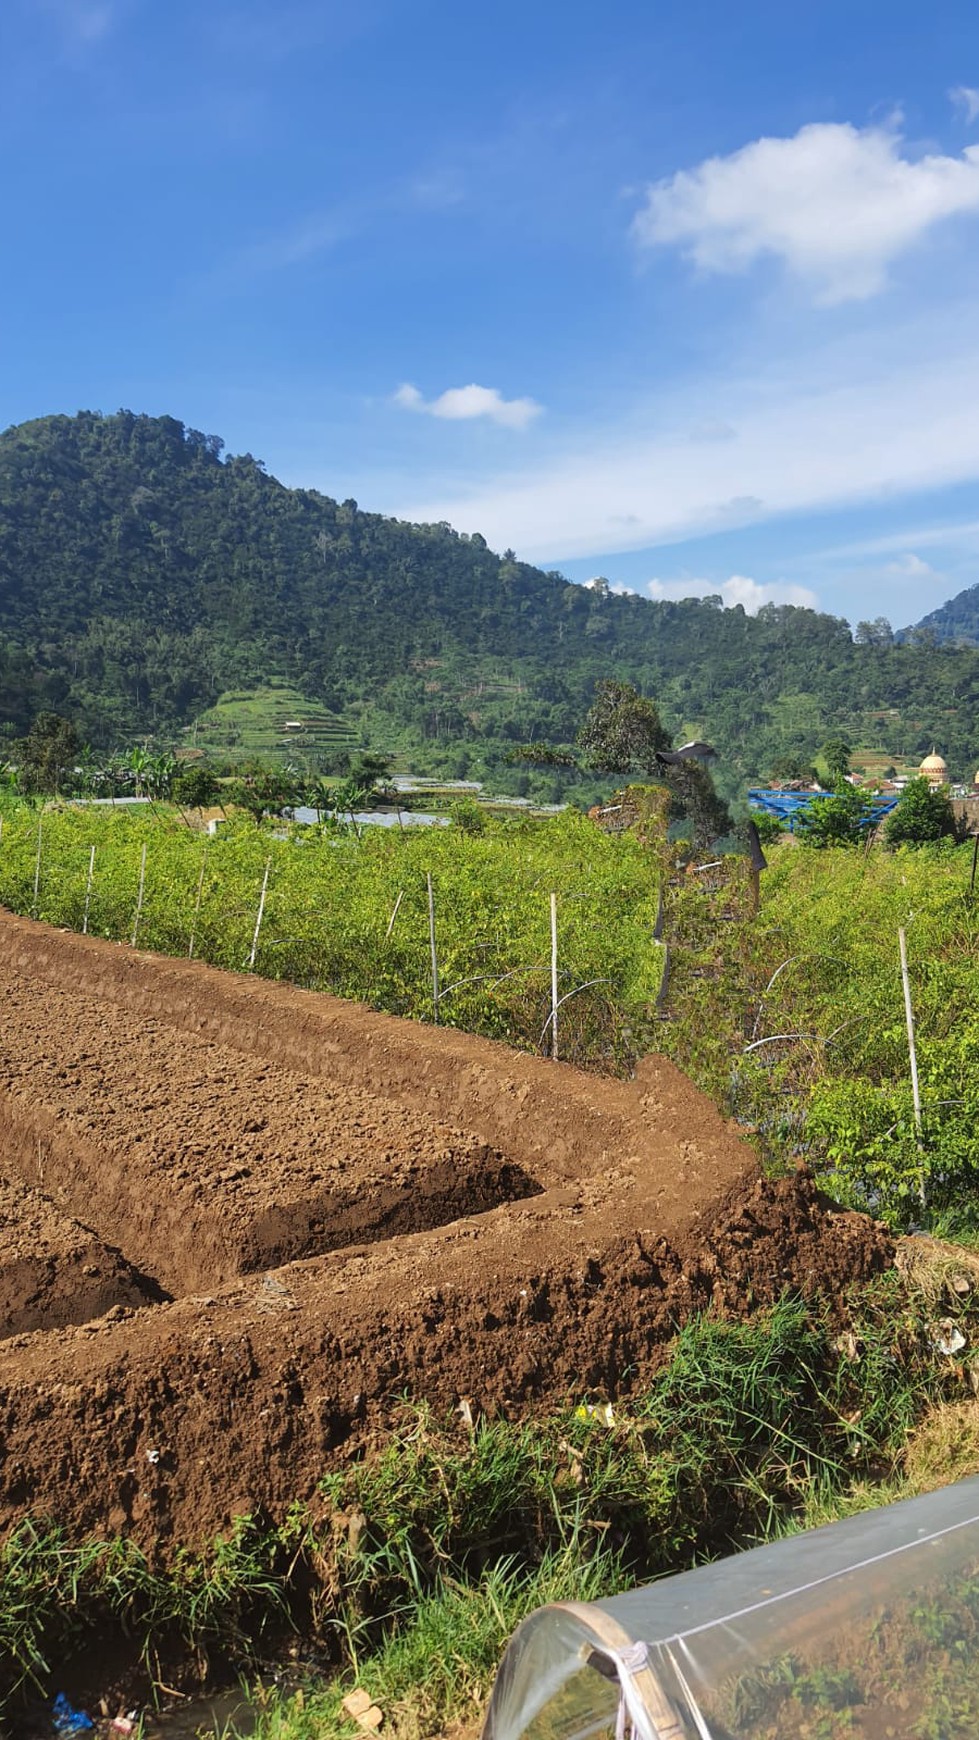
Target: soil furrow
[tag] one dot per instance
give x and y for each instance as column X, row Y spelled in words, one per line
column 436, row 1216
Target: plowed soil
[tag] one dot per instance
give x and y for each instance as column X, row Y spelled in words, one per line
column 281, row 1213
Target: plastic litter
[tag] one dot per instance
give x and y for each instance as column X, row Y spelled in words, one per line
column 946, row 1338
column 67, row 1720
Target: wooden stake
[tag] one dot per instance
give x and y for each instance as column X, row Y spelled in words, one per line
column 260, row 914
column 197, row 905
column 554, row 977
column 431, row 938
column 37, row 872
column 912, row 1053
column 88, row 890
column 397, row 904
column 139, row 897
column 975, row 859
column 664, row 984
column 658, row 925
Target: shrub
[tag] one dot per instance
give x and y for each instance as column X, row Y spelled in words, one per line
column 923, row 816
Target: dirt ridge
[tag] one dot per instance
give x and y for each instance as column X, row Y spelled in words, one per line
column 435, row 1216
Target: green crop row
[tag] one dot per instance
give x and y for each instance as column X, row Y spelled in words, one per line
column 351, row 915
column 796, row 1021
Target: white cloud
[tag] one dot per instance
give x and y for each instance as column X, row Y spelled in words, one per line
column 910, row 567
column 903, row 589
column 752, row 594
column 870, row 420
column 438, row 191
column 459, row 404
column 966, row 98
column 835, row 203
column 90, row 23
column 960, row 534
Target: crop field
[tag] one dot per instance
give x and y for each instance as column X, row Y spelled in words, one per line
column 351, row 915
column 796, row 1022
column 302, row 1211
column 277, row 1260
column 276, row 723
column 792, row 1018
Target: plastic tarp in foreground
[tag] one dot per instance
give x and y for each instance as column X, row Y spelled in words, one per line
column 868, row 1627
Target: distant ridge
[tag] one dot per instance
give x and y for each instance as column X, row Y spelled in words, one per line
column 143, row 575
column 957, row 620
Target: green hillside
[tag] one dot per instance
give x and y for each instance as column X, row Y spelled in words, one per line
column 275, row 722
column 143, row 577
column 956, row 620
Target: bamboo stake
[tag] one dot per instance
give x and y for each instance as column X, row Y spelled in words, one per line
column 431, row 939
column 139, row 897
column 397, row 904
column 975, row 860
column 260, row 914
column 37, row 872
column 554, row 997
column 197, row 905
column 912, row 1053
column 88, row 890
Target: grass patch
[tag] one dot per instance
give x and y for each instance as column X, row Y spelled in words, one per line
column 410, row 1568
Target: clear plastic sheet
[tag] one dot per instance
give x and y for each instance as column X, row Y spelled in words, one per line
column 868, row 1627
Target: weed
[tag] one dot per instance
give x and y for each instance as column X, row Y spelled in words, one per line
column 433, row 1545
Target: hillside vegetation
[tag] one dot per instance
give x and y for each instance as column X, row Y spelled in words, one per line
column 143, row 575
column 956, row 620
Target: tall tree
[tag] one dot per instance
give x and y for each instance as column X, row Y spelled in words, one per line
column 262, row 791
column 48, row 754
column 622, row 731
column 836, row 753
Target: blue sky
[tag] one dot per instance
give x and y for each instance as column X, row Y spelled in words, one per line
column 681, row 295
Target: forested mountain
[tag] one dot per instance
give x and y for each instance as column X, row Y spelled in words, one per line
column 142, row 574
column 958, row 620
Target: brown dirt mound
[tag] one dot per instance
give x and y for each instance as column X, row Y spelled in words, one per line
column 206, row 1163
column 524, row 1234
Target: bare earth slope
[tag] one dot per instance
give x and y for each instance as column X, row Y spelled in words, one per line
column 341, row 1209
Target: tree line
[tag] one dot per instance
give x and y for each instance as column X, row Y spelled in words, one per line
column 143, row 573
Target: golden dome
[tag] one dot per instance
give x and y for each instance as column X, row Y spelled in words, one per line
column 933, row 764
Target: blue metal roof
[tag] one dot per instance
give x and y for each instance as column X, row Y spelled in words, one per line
column 787, row 804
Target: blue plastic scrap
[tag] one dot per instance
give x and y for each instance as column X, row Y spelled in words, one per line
column 67, row 1720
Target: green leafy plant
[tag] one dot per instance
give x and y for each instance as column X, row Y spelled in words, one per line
column 837, row 819
column 924, row 815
